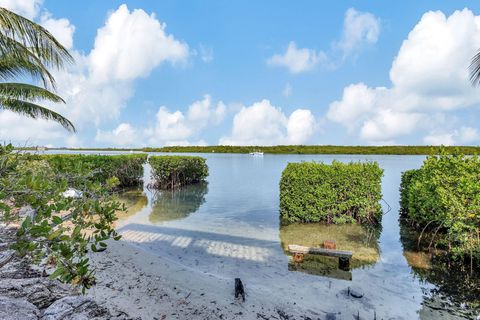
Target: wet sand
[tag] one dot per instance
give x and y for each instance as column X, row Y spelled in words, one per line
column 145, row 286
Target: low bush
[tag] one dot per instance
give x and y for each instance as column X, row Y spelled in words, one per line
column 128, row 168
column 336, row 193
column 443, row 197
column 54, row 229
column 172, row 172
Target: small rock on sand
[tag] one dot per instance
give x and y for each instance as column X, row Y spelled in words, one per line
column 356, row 292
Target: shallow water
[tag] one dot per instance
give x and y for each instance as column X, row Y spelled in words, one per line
column 230, row 228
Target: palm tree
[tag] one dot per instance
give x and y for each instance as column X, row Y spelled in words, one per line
column 28, row 50
column 474, row 69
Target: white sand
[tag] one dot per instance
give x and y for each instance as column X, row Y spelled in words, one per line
column 144, row 286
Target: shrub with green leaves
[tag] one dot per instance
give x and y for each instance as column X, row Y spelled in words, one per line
column 172, row 172
column 443, row 197
column 127, row 168
column 336, row 193
column 60, row 230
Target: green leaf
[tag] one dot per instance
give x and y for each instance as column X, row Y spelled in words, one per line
column 57, row 220
column 54, row 234
column 58, row 272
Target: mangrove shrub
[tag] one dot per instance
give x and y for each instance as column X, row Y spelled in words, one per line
column 127, row 168
column 443, row 197
column 172, row 172
column 53, row 228
column 336, row 193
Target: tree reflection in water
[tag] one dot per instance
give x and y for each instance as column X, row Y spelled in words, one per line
column 172, row 205
column 134, row 200
column 455, row 282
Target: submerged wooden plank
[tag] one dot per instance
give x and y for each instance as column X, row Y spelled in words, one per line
column 329, row 272
column 293, row 248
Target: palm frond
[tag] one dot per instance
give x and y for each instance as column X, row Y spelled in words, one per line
column 474, row 69
column 26, row 48
column 38, row 39
column 35, row 111
column 22, row 91
column 21, row 62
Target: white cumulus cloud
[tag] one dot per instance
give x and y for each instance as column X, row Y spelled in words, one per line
column 264, row 124
column 26, row 8
column 387, row 124
column 301, row 126
column 357, row 100
column 297, row 60
column 99, row 85
column 359, row 28
column 131, row 45
column 21, row 130
column 61, row 29
column 464, row 135
column 178, row 128
column 123, row 135
column 429, row 75
column 169, row 127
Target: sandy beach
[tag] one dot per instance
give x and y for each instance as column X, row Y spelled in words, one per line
column 144, row 282
column 144, row 286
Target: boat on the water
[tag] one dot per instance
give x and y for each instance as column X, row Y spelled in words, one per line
column 256, row 153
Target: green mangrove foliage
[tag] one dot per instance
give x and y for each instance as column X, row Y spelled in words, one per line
column 314, row 149
column 172, row 172
column 291, row 149
column 128, row 168
column 52, row 227
column 336, row 193
column 443, row 197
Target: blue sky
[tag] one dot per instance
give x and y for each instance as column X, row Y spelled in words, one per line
column 152, row 73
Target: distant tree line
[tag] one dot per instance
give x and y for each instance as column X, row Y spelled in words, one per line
column 297, row 149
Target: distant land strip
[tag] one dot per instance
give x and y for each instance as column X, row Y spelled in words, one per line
column 292, row 149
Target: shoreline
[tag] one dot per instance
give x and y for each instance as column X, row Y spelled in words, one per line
column 135, row 281
column 282, row 149
column 149, row 287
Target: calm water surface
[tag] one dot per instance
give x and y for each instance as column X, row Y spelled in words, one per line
column 229, row 227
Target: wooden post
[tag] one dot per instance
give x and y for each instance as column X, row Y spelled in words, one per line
column 344, row 263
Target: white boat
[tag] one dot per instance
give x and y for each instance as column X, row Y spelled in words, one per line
column 256, row 153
